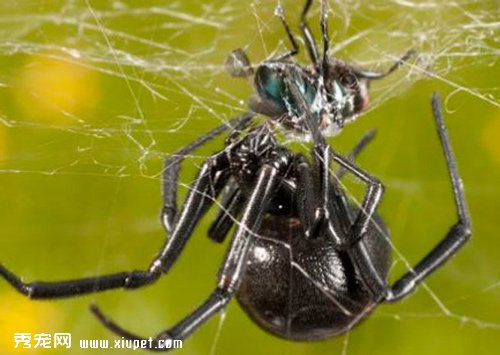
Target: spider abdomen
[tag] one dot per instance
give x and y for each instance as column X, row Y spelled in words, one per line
column 302, row 289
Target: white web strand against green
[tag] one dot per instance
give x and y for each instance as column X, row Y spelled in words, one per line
column 163, row 63
column 150, row 63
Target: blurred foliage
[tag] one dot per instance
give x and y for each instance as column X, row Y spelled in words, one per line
column 95, row 94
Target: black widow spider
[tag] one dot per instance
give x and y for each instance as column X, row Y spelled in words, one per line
column 304, row 262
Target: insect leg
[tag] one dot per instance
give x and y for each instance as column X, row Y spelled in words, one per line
column 358, row 148
column 326, row 41
column 306, row 32
column 295, row 48
column 373, row 75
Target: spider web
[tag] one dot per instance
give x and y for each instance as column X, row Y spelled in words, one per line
column 94, row 95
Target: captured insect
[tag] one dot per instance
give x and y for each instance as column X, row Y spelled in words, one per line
column 304, row 262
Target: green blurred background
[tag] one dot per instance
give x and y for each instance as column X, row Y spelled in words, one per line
column 95, row 94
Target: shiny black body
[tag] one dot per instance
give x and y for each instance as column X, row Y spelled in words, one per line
column 298, row 282
column 305, row 261
column 307, row 289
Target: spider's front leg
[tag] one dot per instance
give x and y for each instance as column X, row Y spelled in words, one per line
column 371, row 199
column 350, row 236
column 316, row 200
column 231, row 271
column 208, row 184
column 456, row 237
column 202, row 194
column 458, row 234
column 212, row 177
column 233, row 199
column 343, row 235
column 171, row 168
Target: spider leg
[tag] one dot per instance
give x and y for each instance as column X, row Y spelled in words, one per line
column 231, row 205
column 212, row 177
column 307, row 192
column 371, row 200
column 339, row 201
column 332, row 211
column 171, row 167
column 231, row 271
column 316, row 209
column 60, row 289
column 215, row 302
column 456, row 237
column 458, row 234
column 329, row 210
column 354, row 244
